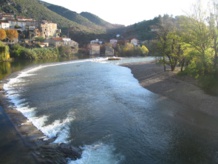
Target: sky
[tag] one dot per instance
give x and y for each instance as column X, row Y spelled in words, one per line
column 127, row 12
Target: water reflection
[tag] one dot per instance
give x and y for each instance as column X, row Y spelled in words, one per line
column 5, row 69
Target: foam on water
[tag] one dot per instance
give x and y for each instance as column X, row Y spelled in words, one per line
column 59, row 128
column 98, row 153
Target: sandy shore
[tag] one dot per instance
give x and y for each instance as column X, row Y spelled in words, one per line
column 150, row 76
column 183, row 90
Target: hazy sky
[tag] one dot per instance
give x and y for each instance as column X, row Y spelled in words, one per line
column 127, row 12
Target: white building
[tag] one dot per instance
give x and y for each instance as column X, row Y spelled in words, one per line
column 22, row 25
column 4, row 25
column 63, row 42
column 96, row 41
column 134, row 41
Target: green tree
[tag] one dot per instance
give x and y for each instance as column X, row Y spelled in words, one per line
column 197, row 34
column 39, row 39
column 213, row 26
column 169, row 42
column 65, row 51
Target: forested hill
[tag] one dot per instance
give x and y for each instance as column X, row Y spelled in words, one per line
column 84, row 18
column 142, row 30
column 98, row 21
column 73, row 16
column 39, row 11
column 84, row 26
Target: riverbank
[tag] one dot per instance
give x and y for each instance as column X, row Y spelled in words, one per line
column 182, row 89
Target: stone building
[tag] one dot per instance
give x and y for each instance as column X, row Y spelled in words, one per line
column 94, row 49
column 48, row 29
column 58, row 41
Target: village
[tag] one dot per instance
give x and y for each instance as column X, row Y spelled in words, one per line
column 46, row 34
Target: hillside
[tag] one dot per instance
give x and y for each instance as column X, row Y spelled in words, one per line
column 73, row 16
column 81, row 27
column 142, row 30
column 85, row 18
column 34, row 9
column 98, row 21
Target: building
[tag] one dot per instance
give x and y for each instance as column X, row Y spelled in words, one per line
column 96, row 41
column 20, row 18
column 48, row 29
column 4, row 16
column 94, row 49
column 4, row 25
column 134, row 41
column 113, row 42
column 22, row 25
column 64, row 42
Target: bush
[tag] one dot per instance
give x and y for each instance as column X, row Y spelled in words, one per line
column 65, row 51
column 28, row 54
column 209, row 83
column 130, row 50
column 46, row 53
column 21, row 52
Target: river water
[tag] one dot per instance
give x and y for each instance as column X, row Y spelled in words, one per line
column 100, row 107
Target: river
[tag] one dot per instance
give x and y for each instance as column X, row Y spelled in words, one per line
column 100, row 107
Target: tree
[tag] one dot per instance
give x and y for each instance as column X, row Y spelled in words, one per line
column 169, row 42
column 2, row 34
column 65, row 51
column 213, row 26
column 196, row 33
column 144, row 50
column 12, row 34
column 40, row 39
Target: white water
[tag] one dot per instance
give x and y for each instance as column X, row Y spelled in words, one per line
column 59, row 129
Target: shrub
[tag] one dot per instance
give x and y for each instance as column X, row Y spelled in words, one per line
column 130, row 50
column 4, row 52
